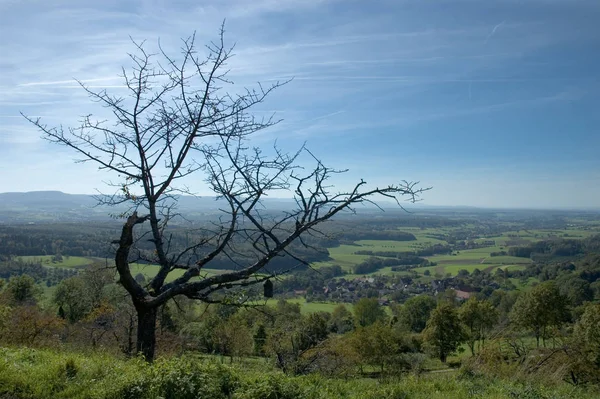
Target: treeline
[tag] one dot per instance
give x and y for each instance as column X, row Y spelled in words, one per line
column 557, row 248
column 65, row 239
column 49, row 276
column 579, row 281
column 309, row 280
column 95, row 241
column 357, row 234
column 373, row 264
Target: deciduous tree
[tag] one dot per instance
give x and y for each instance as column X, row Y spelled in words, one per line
column 22, row 290
column 587, row 334
column 177, row 123
column 540, row 309
column 415, row 312
column 478, row 317
column 368, row 311
column 443, row 332
column 71, row 296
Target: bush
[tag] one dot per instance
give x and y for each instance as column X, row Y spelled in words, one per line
column 40, row 374
column 179, row 378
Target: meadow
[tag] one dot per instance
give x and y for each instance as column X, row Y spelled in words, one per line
column 68, row 262
column 35, row 373
column 312, row 307
column 451, row 264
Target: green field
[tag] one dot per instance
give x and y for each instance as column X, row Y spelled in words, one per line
column 67, row 261
column 524, row 285
column 312, row 307
column 346, row 257
column 469, row 260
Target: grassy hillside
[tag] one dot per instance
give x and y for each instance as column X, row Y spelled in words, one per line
column 40, row 374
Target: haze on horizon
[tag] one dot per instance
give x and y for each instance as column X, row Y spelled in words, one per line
column 494, row 104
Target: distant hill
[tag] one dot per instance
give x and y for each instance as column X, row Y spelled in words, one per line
column 56, row 206
column 45, row 199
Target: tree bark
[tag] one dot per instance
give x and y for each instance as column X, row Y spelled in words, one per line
column 146, row 332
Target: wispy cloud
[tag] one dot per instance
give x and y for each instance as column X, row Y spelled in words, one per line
column 359, row 70
column 494, row 30
column 71, row 81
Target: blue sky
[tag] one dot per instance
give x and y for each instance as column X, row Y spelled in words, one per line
column 493, row 103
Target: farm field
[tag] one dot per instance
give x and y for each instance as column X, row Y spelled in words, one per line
column 67, row 261
column 346, row 257
column 467, row 259
column 479, row 258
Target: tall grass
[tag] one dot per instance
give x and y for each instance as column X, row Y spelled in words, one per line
column 31, row 373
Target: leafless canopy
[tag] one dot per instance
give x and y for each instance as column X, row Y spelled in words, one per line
column 177, row 121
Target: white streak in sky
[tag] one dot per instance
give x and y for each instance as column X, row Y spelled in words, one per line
column 72, row 81
column 326, row 116
column 494, row 31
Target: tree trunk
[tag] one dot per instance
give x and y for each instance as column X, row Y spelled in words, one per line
column 146, row 332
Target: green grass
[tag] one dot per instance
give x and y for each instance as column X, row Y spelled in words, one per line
column 514, row 260
column 454, row 269
column 41, row 374
column 150, row 271
column 346, row 257
column 312, row 307
column 524, row 285
column 514, row 267
column 67, row 262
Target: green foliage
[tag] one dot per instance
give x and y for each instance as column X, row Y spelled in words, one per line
column 540, row 309
column 368, row 311
column 41, row 374
column 22, row 289
column 380, row 345
column 260, row 339
column 70, row 368
column 415, row 312
column 575, row 289
column 294, row 337
column 586, row 336
column 181, row 378
column 70, row 295
column 341, row 320
column 478, row 317
column 443, row 333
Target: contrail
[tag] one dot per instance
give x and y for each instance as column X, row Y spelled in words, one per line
column 494, row 31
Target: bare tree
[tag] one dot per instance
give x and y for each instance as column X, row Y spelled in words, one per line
column 177, row 121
